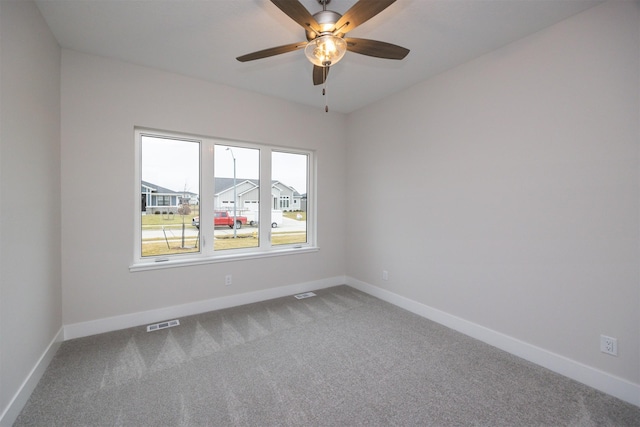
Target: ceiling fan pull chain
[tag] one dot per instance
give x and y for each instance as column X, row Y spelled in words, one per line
column 326, row 101
column 324, row 90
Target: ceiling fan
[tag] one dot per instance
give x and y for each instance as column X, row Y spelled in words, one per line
column 325, row 32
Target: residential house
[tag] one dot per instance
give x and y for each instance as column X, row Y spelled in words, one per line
column 157, row 199
column 283, row 197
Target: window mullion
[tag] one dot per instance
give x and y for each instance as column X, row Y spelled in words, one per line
column 206, row 196
column 266, row 201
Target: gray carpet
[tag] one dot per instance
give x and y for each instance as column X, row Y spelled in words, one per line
column 342, row 358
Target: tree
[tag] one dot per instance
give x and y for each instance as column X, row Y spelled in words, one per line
column 184, row 209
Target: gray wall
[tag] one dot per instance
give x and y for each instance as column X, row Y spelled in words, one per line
column 30, row 289
column 519, row 172
column 102, row 101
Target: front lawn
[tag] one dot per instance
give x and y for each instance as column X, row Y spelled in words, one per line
column 159, row 247
column 167, row 219
column 294, row 215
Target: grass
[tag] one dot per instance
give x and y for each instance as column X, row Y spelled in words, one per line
column 166, row 219
column 159, row 248
column 175, row 219
column 294, row 215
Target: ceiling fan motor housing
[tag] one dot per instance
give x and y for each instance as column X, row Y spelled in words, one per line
column 327, row 20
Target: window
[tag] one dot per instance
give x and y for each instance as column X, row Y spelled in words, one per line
column 207, row 200
column 284, row 202
column 163, row 200
column 290, row 180
column 168, row 165
column 236, row 178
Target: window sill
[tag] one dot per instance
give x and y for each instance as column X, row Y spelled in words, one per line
column 185, row 262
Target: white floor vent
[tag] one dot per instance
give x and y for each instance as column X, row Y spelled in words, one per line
column 163, row 325
column 305, row 295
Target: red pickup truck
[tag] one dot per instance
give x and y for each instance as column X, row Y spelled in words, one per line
column 222, row 218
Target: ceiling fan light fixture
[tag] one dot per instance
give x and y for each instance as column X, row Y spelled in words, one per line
column 325, row 50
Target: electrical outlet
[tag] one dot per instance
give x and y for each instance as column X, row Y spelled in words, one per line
column 385, row 275
column 227, row 280
column 609, row 345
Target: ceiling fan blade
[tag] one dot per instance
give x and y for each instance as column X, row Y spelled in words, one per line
column 359, row 13
column 271, row 51
column 376, row 48
column 320, row 74
column 296, row 11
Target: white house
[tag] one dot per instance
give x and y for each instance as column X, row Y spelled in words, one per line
column 283, row 197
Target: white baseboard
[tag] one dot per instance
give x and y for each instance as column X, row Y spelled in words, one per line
column 607, row 383
column 92, row 327
column 21, row 397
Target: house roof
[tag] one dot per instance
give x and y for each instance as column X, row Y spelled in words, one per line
column 163, row 190
column 158, row 189
column 221, row 185
column 224, row 184
column 295, row 192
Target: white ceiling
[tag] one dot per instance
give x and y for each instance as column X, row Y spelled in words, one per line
column 202, row 38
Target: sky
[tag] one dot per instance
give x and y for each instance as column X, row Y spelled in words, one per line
column 173, row 164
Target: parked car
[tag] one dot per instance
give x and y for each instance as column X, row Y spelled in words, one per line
column 276, row 218
column 222, row 218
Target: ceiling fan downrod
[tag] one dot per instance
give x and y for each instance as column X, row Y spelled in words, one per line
column 324, row 3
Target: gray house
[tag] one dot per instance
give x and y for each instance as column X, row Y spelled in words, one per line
column 283, row 196
column 160, row 199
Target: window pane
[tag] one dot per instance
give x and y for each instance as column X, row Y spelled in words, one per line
column 170, row 172
column 236, row 198
column 289, row 198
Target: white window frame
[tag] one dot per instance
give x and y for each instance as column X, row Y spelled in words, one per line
column 207, row 253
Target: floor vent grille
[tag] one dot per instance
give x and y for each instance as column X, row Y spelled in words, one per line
column 163, row 325
column 305, row 295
